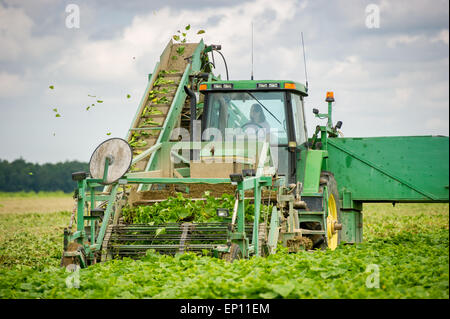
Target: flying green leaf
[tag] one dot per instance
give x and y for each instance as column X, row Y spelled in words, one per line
column 201, row 31
column 91, row 95
column 87, row 108
column 51, row 87
column 108, row 133
column 57, row 115
column 176, row 37
column 184, row 34
column 180, row 50
column 55, row 110
column 128, row 96
column 188, row 27
column 30, row 173
column 98, row 101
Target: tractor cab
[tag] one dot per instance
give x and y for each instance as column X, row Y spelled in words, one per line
column 271, row 111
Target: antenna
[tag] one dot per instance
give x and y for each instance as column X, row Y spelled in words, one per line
column 252, row 51
column 304, row 61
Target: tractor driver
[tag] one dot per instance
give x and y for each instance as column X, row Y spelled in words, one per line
column 258, row 118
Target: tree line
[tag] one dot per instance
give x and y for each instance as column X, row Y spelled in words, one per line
column 20, row 175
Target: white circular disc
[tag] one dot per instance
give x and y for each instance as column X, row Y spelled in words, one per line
column 120, row 154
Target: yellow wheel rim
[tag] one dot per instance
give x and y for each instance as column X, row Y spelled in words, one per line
column 331, row 220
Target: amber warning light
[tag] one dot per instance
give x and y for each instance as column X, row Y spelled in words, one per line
column 330, row 97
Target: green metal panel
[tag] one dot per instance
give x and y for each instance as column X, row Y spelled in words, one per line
column 301, row 163
column 80, row 206
column 392, row 169
column 352, row 226
column 313, row 168
column 108, row 213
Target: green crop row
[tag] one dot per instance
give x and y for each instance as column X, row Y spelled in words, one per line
column 406, row 248
column 180, row 209
column 417, row 268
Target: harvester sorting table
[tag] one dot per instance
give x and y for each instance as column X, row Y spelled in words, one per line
column 194, row 132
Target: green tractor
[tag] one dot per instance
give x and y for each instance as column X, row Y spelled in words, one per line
column 194, row 132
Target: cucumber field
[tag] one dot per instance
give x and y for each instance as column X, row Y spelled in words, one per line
column 406, row 246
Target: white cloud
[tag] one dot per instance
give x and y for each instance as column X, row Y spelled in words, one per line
column 437, row 123
column 441, row 37
column 375, row 74
column 15, row 27
column 17, row 40
column 11, row 85
column 402, row 39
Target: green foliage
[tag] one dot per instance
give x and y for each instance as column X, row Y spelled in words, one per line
column 150, row 122
column 180, row 50
column 179, row 209
column 168, row 72
column 138, row 143
column 32, row 239
column 181, row 36
column 56, row 111
column 413, row 263
column 161, row 81
column 151, row 111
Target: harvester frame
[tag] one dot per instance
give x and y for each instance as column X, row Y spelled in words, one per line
column 319, row 203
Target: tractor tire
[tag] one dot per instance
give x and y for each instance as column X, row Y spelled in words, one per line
column 334, row 211
column 333, row 215
column 234, row 254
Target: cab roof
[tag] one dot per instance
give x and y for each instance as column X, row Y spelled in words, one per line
column 263, row 85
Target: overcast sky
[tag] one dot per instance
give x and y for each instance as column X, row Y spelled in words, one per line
column 388, row 80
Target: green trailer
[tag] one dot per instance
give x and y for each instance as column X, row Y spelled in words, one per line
column 194, row 131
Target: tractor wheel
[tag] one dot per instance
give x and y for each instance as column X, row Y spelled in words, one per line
column 333, row 220
column 235, row 253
